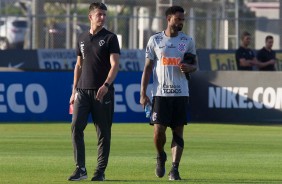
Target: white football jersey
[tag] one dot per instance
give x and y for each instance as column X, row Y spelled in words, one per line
column 167, row 53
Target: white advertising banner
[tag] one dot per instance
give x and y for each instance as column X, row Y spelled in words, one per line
column 56, row 59
column 65, row 59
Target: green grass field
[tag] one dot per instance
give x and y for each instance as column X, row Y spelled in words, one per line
column 214, row 153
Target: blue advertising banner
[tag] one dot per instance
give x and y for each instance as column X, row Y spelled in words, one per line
column 127, row 95
column 44, row 96
column 214, row 97
column 35, row 96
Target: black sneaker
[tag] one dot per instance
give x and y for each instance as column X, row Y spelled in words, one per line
column 78, row 174
column 98, row 176
column 174, row 174
column 160, row 166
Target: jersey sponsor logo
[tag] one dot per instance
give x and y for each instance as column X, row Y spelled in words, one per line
column 107, row 102
column 171, row 89
column 182, row 47
column 82, row 49
column 183, row 39
column 171, row 46
column 170, row 61
column 101, row 42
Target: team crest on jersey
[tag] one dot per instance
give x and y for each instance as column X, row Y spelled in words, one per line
column 182, row 47
column 101, row 42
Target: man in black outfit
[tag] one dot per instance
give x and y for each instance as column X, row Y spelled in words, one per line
column 266, row 56
column 245, row 57
column 93, row 93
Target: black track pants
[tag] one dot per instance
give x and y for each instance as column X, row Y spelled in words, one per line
column 102, row 114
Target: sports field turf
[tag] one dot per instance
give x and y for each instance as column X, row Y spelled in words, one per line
column 214, row 153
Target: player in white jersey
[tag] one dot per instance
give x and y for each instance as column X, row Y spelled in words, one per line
column 165, row 58
column 167, row 54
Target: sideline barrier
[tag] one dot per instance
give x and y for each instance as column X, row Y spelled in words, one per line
column 224, row 60
column 215, row 97
column 130, row 60
column 63, row 59
column 236, row 96
column 44, row 96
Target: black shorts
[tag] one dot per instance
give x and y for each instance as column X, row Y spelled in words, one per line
column 170, row 111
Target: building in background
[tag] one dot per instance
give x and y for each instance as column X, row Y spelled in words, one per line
column 215, row 24
column 267, row 22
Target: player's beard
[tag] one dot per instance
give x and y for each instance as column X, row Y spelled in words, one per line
column 177, row 27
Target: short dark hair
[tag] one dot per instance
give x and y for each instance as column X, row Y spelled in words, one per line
column 173, row 9
column 244, row 34
column 97, row 5
column 268, row 37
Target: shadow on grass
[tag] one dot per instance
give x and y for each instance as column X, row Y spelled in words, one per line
column 197, row 181
column 145, row 181
column 233, row 181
